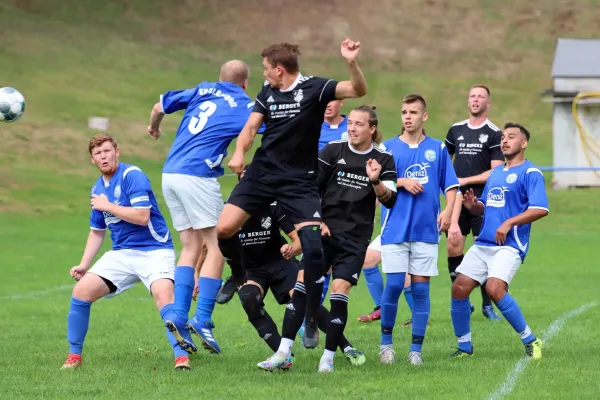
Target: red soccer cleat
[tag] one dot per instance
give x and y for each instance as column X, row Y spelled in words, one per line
column 182, row 363
column 375, row 315
column 73, row 361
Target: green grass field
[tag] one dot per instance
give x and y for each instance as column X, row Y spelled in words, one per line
column 73, row 60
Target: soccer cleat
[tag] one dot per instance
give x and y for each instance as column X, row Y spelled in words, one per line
column 204, row 331
column 182, row 335
column 414, row 358
column 289, row 362
column 461, row 354
column 310, row 337
column 229, row 288
column 73, row 361
column 276, row 361
column 182, row 363
column 408, row 323
column 387, row 355
column 354, row 356
column 534, row 349
column 301, row 331
column 326, row 365
column 374, row 315
column 489, row 313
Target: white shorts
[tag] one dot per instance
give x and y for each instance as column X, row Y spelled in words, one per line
column 376, row 244
column 416, row 258
column 483, row 262
column 193, row 201
column 125, row 268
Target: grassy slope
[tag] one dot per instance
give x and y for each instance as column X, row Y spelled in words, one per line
column 73, row 60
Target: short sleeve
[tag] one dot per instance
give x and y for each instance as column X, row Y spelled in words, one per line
column 536, row 189
column 283, row 220
column 325, row 165
column 97, row 221
column 260, row 105
column 326, row 90
column 388, row 174
column 136, row 186
column 176, row 100
column 496, row 147
column 450, row 143
column 448, row 179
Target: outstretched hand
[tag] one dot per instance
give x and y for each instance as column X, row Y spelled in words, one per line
column 350, row 49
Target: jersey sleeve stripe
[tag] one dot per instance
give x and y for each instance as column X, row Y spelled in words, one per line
column 452, row 187
column 463, row 122
column 323, row 90
column 538, row 208
column 150, row 206
column 390, row 185
column 447, row 141
column 388, row 172
column 128, row 170
column 162, row 107
column 533, row 170
column 496, row 145
column 259, row 102
column 97, row 229
column 139, row 199
column 324, row 162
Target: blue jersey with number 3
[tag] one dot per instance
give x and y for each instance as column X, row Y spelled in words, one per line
column 215, row 113
column 507, row 193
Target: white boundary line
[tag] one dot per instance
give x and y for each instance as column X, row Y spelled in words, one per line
column 511, row 379
column 30, row 295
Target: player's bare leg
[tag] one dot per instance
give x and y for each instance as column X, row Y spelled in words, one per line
column 230, row 222
column 209, row 283
column 314, row 270
column 486, row 302
column 89, row 289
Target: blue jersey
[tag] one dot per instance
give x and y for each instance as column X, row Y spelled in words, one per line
column 130, row 187
column 329, row 133
column 508, row 193
column 414, row 218
column 215, row 114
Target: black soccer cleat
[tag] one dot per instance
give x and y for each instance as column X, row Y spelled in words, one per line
column 310, row 337
column 228, row 290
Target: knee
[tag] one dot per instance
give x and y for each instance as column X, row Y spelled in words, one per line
column 462, row 287
column 496, row 289
column 340, row 286
column 394, row 284
column 90, row 288
column 251, row 299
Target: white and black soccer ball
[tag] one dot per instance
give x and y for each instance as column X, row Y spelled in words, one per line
column 12, row 104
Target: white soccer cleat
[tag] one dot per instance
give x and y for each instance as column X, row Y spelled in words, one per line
column 387, row 355
column 325, row 366
column 274, row 362
column 414, row 358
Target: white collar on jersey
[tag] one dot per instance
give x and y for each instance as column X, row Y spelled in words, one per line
column 478, row 126
column 352, row 149
column 293, row 86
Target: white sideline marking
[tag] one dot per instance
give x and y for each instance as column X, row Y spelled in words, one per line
column 511, row 379
column 30, row 295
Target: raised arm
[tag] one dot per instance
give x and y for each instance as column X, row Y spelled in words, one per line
column 357, row 85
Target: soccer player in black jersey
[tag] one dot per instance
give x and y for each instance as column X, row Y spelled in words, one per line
column 352, row 175
column 475, row 146
column 284, row 167
column 271, row 264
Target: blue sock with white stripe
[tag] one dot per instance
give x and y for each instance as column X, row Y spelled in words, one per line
column 460, row 310
column 511, row 311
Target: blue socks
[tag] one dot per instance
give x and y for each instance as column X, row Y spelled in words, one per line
column 460, row 310
column 184, row 288
column 208, row 288
column 511, row 311
column 374, row 284
column 167, row 313
column 325, row 288
column 78, row 322
column 409, row 297
column 389, row 305
column 422, row 308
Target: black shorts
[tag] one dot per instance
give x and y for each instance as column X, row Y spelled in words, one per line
column 297, row 197
column 469, row 223
column 280, row 276
column 345, row 257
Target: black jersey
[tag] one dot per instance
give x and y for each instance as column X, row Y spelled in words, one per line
column 293, row 119
column 261, row 239
column 347, row 196
column 474, row 148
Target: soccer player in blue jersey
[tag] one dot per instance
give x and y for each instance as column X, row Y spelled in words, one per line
column 215, row 113
column 411, row 231
column 513, row 198
column 122, row 201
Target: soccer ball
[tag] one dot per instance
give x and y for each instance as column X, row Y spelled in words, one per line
column 12, row 104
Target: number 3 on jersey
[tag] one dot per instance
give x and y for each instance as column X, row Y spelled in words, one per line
column 196, row 124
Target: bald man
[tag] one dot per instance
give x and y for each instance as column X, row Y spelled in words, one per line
column 215, row 113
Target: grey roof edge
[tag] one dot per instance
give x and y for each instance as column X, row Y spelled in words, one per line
column 576, row 58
